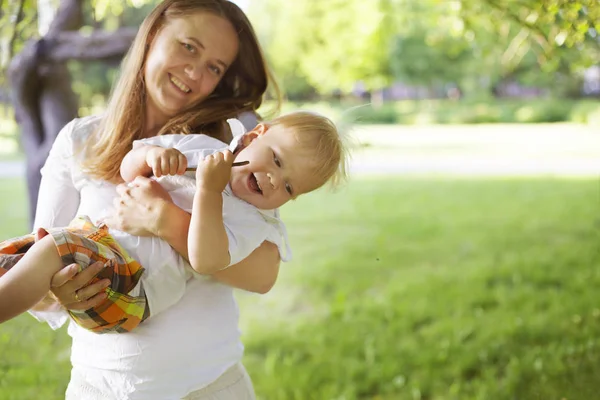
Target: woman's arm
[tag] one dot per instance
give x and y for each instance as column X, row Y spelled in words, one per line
column 58, row 200
column 145, row 208
column 256, row 273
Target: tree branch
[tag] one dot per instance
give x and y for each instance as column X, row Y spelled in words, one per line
column 97, row 46
column 69, row 16
column 541, row 36
column 11, row 42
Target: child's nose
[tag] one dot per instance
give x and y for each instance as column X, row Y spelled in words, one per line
column 273, row 179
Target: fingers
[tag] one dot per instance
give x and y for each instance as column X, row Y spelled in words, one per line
column 92, row 290
column 141, row 180
column 164, row 166
column 220, row 156
column 64, row 275
column 87, row 304
column 84, row 277
column 182, row 164
column 228, row 156
column 154, row 164
column 173, row 164
column 123, row 190
column 72, row 293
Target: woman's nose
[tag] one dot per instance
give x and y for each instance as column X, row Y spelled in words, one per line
column 194, row 72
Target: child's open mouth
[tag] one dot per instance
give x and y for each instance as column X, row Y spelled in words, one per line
column 253, row 184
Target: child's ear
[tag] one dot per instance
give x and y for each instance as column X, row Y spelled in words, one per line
column 255, row 133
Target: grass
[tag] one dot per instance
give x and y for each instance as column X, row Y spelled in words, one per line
column 434, row 289
column 34, row 361
column 401, row 289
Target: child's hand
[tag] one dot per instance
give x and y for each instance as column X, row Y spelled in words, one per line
column 166, row 161
column 214, row 172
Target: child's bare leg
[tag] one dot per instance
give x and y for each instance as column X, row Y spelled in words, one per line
column 25, row 284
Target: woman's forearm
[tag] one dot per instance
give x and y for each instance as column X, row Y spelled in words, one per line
column 172, row 226
column 256, row 273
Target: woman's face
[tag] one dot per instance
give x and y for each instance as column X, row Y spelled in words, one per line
column 185, row 62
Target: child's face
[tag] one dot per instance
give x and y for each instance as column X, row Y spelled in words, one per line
column 279, row 169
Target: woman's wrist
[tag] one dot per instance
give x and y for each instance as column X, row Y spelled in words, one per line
column 164, row 212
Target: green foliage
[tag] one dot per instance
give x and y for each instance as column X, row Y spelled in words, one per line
column 334, row 44
column 475, row 111
column 308, row 40
column 16, row 28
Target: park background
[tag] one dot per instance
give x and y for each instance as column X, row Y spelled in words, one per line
column 462, row 259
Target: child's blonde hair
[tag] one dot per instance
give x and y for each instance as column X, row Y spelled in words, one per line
column 320, row 134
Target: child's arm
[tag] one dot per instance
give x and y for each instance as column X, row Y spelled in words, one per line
column 149, row 160
column 208, row 245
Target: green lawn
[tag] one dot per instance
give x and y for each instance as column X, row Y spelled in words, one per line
column 402, row 289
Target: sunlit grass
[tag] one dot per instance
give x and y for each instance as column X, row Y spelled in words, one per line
column 434, row 289
column 401, row 289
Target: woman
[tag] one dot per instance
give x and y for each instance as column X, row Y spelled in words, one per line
column 192, row 65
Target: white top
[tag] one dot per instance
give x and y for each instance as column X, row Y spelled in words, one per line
column 246, row 226
column 166, row 357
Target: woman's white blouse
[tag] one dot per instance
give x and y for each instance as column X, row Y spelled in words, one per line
column 168, row 356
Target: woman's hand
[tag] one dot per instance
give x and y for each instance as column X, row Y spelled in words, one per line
column 138, row 209
column 70, row 287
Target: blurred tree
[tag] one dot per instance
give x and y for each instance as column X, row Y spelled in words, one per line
column 327, row 45
column 535, row 41
column 39, row 79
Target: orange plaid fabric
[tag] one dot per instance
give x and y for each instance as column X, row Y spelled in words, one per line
column 84, row 243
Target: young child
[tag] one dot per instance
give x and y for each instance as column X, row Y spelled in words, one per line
column 233, row 211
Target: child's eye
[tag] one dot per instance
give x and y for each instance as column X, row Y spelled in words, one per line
column 288, row 188
column 277, row 162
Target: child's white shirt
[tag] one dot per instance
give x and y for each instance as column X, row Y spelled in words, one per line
column 166, row 272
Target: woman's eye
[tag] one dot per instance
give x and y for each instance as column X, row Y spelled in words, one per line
column 288, row 188
column 188, row 47
column 215, row 70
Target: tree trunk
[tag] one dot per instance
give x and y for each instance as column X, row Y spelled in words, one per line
column 41, row 84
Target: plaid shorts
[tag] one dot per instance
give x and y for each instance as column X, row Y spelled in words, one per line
column 84, row 243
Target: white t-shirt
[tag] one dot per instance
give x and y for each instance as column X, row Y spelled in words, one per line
column 246, row 226
column 166, row 357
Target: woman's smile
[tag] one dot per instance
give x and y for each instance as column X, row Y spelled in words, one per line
column 178, row 83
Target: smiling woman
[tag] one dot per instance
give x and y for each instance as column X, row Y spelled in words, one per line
column 186, row 61
column 193, row 65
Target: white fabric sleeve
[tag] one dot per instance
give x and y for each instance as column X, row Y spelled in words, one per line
column 244, row 235
column 248, row 234
column 278, row 236
column 58, row 201
column 237, row 127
